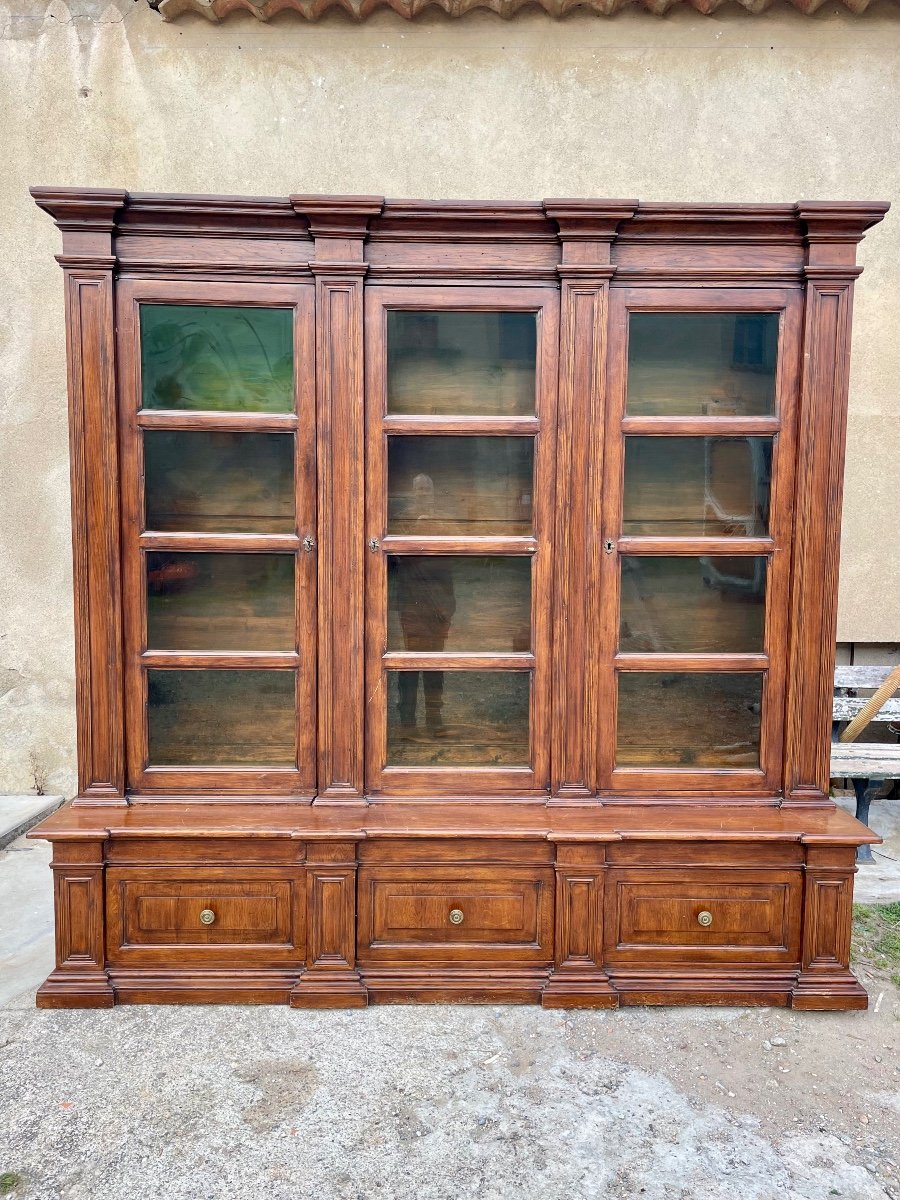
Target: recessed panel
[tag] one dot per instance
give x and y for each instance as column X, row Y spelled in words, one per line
column 460, row 485
column 706, row 605
column 461, row 363
column 457, row 602
column 689, row 721
column 702, row 364
column 697, row 486
column 215, row 357
column 214, row 482
column 220, row 601
column 458, row 718
column 222, row 718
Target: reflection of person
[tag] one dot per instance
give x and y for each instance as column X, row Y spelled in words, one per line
column 426, row 604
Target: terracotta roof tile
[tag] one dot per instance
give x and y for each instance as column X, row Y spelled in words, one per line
column 312, row 10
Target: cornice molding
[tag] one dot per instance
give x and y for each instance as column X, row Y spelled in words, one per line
column 837, row 222
column 338, row 216
column 87, row 209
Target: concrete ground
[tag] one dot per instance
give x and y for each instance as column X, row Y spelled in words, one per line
column 434, row 1103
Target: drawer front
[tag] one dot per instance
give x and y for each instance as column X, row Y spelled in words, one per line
column 249, row 914
column 703, row 916
column 474, row 913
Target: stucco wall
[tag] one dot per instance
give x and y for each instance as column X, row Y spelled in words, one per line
column 733, row 107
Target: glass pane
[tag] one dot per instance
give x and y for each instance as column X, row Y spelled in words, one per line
column 221, row 718
column 710, row 364
column 220, row 601
column 458, row 718
column 689, row 721
column 461, row 362
column 460, row 485
column 219, row 482
column 710, row 604
column 695, row 486
column 198, row 356
column 459, row 603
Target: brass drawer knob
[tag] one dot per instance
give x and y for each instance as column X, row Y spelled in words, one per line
column 207, row 916
column 456, row 916
column 705, row 919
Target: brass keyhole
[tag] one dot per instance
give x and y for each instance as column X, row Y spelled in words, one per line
column 705, row 919
column 456, row 916
column 207, row 916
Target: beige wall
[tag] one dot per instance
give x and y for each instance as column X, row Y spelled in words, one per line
column 734, row 107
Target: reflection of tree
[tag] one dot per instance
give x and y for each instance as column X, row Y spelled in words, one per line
column 217, row 358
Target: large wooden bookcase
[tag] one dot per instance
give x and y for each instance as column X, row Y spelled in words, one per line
column 455, row 601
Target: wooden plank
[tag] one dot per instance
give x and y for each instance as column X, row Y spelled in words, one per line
column 860, row 677
column 865, row 760
column 845, row 708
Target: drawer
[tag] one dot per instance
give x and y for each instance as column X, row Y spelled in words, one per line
column 254, row 915
column 703, row 916
column 471, row 913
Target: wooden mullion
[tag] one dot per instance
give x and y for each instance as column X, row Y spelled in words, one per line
column 239, row 660
column 474, row 545
column 702, row 426
column 462, row 426
column 687, row 546
column 285, row 543
column 690, row 662
column 249, row 422
column 440, row 660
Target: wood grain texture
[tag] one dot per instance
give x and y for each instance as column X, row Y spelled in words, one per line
column 573, row 879
column 87, row 220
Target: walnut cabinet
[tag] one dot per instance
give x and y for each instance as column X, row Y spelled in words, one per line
column 454, row 601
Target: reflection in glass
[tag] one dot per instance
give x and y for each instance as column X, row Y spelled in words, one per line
column 221, row 718
column 710, row 604
column 705, row 364
column 461, row 362
column 689, row 721
column 458, row 718
column 219, row 482
column 711, row 486
column 198, row 356
column 456, row 602
column 220, row 601
column 460, row 485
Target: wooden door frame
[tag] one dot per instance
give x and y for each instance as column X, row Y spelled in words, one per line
column 649, row 782
column 532, row 782
column 272, row 783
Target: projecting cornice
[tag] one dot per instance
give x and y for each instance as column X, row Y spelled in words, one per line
column 359, row 10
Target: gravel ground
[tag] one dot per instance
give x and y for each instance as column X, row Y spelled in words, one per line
column 436, row 1103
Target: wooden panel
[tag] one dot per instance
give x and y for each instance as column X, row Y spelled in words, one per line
column 340, row 397
column 405, row 913
column 154, row 914
column 818, row 520
column 95, row 507
column 755, row 916
column 581, row 391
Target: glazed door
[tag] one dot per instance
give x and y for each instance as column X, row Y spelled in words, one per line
column 695, row 555
column 461, row 387
column 217, row 396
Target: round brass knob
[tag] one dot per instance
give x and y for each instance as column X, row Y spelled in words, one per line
column 456, row 916
column 207, row 916
column 705, row 919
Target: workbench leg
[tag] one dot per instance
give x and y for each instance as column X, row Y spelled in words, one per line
column 864, row 796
